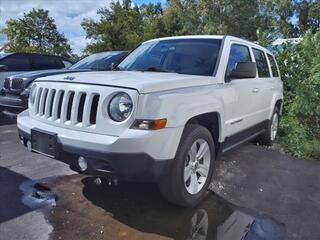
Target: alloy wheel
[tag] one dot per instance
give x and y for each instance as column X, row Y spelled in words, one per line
column 197, row 166
column 274, row 126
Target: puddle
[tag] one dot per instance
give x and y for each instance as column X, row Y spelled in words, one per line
column 38, row 194
column 137, row 211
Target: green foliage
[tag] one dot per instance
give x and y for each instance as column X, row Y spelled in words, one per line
column 308, row 13
column 35, row 32
column 120, row 27
column 265, row 38
column 292, row 136
column 276, row 15
column 300, row 68
column 124, row 25
column 312, row 149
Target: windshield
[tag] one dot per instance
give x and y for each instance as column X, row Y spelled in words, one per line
column 185, row 56
column 98, row 62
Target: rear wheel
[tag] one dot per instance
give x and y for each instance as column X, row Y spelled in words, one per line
column 270, row 134
column 187, row 179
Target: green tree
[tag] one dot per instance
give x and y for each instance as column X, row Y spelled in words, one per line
column 242, row 19
column 181, row 17
column 238, row 18
column 36, row 32
column 119, row 27
column 152, row 17
column 300, row 70
column 308, row 13
column 265, row 38
column 276, row 17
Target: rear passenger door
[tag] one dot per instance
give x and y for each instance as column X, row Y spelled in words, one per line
column 265, row 84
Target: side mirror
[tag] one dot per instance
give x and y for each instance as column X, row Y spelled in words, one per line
column 3, row 68
column 244, row 70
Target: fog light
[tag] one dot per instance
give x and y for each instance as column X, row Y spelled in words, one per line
column 82, row 164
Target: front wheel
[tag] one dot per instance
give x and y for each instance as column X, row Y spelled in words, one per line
column 188, row 177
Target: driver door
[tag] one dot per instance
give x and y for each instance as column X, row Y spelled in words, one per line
column 240, row 112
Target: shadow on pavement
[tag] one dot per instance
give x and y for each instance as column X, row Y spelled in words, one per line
column 141, row 207
column 11, row 205
column 6, row 120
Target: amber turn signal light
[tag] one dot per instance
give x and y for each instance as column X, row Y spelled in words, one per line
column 149, row 124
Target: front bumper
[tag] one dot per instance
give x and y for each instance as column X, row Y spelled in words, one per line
column 136, row 155
column 12, row 104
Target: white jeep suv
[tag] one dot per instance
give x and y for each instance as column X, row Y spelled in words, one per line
column 162, row 115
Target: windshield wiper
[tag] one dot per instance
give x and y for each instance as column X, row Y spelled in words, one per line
column 154, row 69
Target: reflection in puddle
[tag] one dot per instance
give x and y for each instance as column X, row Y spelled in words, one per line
column 137, row 211
column 37, row 194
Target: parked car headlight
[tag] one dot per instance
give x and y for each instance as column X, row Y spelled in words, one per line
column 120, row 107
column 33, row 92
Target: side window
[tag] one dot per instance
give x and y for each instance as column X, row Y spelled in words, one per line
column 274, row 69
column 262, row 64
column 17, row 62
column 66, row 64
column 46, row 62
column 238, row 53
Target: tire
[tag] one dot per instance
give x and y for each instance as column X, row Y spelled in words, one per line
column 269, row 136
column 195, row 141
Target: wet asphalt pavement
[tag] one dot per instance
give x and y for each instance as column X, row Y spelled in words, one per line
column 257, row 194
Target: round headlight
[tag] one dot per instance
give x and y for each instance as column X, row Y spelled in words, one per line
column 120, row 107
column 33, row 92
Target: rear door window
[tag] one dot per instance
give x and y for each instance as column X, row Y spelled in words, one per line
column 17, row 62
column 274, row 68
column 262, row 64
column 238, row 53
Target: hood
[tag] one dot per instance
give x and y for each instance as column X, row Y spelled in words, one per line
column 42, row 73
column 143, row 82
column 29, row 77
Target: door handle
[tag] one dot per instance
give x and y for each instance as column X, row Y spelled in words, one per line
column 255, row 90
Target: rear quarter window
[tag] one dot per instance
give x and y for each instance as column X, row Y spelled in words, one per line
column 262, row 64
column 274, row 68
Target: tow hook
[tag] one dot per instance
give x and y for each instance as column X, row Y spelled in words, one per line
column 109, row 180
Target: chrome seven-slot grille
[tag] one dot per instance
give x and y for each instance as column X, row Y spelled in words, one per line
column 70, row 107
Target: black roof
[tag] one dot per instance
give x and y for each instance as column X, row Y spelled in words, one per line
column 38, row 54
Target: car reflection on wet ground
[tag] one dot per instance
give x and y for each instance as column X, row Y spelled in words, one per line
column 86, row 210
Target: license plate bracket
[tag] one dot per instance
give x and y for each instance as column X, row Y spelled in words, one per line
column 44, row 142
